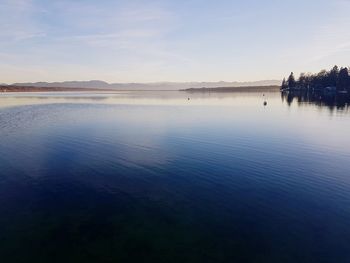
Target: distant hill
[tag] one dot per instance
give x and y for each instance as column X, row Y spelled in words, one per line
column 17, row 88
column 95, row 84
column 98, row 84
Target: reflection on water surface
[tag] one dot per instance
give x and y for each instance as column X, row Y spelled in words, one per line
column 158, row 177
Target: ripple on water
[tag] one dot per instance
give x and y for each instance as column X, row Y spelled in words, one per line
column 209, row 184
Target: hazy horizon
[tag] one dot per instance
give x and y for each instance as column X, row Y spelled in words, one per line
column 97, row 84
column 167, row 41
column 264, row 81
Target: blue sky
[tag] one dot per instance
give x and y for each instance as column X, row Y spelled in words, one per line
column 146, row 41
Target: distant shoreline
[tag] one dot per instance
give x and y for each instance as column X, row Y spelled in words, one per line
column 13, row 88
column 272, row 88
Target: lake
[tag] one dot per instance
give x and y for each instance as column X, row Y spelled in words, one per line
column 173, row 177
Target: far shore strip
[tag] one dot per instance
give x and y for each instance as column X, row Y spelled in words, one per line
column 14, row 88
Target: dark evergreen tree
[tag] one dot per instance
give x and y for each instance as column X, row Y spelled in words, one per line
column 322, row 79
column 291, row 81
column 303, row 81
column 343, row 79
column 333, row 76
column 284, row 84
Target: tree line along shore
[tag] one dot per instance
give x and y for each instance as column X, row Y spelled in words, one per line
column 336, row 80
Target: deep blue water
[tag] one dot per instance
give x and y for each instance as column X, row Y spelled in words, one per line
column 155, row 177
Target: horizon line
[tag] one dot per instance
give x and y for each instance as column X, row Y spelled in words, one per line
column 147, row 82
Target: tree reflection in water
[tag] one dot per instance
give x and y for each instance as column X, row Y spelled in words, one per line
column 339, row 101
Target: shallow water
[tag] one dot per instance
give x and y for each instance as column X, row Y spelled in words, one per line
column 173, row 177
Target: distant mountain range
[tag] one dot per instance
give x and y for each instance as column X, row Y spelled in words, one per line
column 98, row 84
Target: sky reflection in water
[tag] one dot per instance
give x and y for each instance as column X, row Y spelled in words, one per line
column 155, row 177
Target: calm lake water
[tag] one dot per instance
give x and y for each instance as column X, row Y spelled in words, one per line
column 158, row 177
